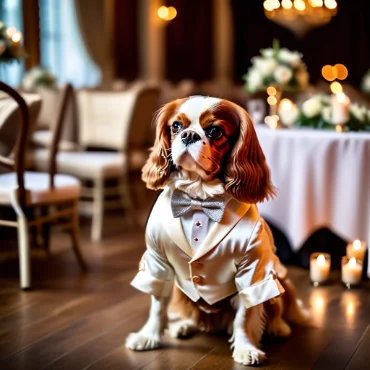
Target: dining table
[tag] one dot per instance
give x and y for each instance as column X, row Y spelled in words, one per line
column 322, row 179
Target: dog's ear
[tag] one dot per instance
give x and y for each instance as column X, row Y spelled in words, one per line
column 157, row 169
column 248, row 177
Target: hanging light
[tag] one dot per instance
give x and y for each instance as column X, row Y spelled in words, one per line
column 300, row 16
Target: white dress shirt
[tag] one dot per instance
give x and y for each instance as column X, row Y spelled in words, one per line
column 196, row 225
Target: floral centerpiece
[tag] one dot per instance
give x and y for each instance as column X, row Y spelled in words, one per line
column 277, row 67
column 10, row 44
column 36, row 77
column 317, row 112
column 365, row 84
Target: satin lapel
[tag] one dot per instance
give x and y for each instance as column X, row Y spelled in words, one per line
column 173, row 225
column 233, row 213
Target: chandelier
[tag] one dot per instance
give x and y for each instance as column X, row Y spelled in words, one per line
column 300, row 16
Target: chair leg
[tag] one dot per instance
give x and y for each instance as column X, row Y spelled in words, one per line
column 24, row 253
column 127, row 199
column 75, row 236
column 98, row 210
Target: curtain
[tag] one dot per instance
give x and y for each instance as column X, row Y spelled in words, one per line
column 62, row 48
column 95, row 18
column 11, row 14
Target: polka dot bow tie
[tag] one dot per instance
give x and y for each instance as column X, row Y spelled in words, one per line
column 213, row 207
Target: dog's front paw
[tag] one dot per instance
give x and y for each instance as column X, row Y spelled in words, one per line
column 183, row 328
column 248, row 355
column 142, row 342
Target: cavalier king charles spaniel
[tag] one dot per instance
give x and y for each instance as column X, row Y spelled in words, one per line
column 207, row 148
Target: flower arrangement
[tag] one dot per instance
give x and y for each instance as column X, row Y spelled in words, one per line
column 317, row 112
column 365, row 84
column 10, row 44
column 278, row 67
column 36, row 77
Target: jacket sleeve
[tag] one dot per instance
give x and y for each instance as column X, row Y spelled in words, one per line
column 256, row 278
column 155, row 274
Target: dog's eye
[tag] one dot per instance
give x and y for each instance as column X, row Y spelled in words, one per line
column 176, row 127
column 214, row 133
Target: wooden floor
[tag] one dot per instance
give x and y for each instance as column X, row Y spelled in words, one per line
column 76, row 321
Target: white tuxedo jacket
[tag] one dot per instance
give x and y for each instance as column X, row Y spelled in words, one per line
column 236, row 256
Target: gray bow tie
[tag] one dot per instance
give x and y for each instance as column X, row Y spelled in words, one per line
column 213, row 207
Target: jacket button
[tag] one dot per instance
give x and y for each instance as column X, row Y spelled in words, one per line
column 197, row 279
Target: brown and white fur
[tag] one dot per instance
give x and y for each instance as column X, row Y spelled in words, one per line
column 206, row 146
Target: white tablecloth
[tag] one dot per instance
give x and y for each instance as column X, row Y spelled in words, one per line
column 322, row 178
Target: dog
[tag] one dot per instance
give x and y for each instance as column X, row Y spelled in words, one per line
column 210, row 262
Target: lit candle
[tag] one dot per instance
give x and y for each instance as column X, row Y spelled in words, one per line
column 16, row 38
column 357, row 249
column 340, row 109
column 351, row 271
column 319, row 267
column 288, row 112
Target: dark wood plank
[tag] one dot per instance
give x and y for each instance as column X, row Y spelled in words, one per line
column 74, row 321
column 361, row 358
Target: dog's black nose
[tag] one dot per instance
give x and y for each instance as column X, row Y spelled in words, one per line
column 189, row 137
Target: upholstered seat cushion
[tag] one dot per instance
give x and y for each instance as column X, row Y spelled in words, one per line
column 90, row 165
column 37, row 184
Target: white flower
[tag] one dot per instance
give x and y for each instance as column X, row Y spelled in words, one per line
column 366, row 83
column 266, row 66
column 312, row 107
column 268, row 53
column 2, row 47
column 254, row 80
column 283, row 75
column 358, row 112
column 291, row 57
column 326, row 114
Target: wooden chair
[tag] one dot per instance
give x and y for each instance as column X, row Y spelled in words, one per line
column 119, row 122
column 26, row 192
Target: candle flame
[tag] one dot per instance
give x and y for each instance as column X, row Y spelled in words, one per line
column 286, row 104
column 16, row 37
column 352, row 262
column 341, row 97
column 357, row 245
column 321, row 260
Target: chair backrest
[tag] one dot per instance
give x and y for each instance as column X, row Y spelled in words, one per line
column 141, row 133
column 47, row 118
column 22, row 130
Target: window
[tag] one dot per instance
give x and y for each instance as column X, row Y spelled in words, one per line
column 11, row 13
column 62, row 47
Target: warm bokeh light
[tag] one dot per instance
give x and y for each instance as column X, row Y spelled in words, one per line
column 342, row 71
column 163, row 12
column 287, row 4
column 329, row 73
column 357, row 245
column 167, row 13
column 268, row 5
column 271, row 100
column 330, row 4
column 172, row 12
column 318, row 305
column 16, row 38
column 316, row 3
column 320, row 260
column 271, row 90
column 11, row 31
column 272, row 121
column 352, row 262
column 299, row 5
column 341, row 97
column 336, row 88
